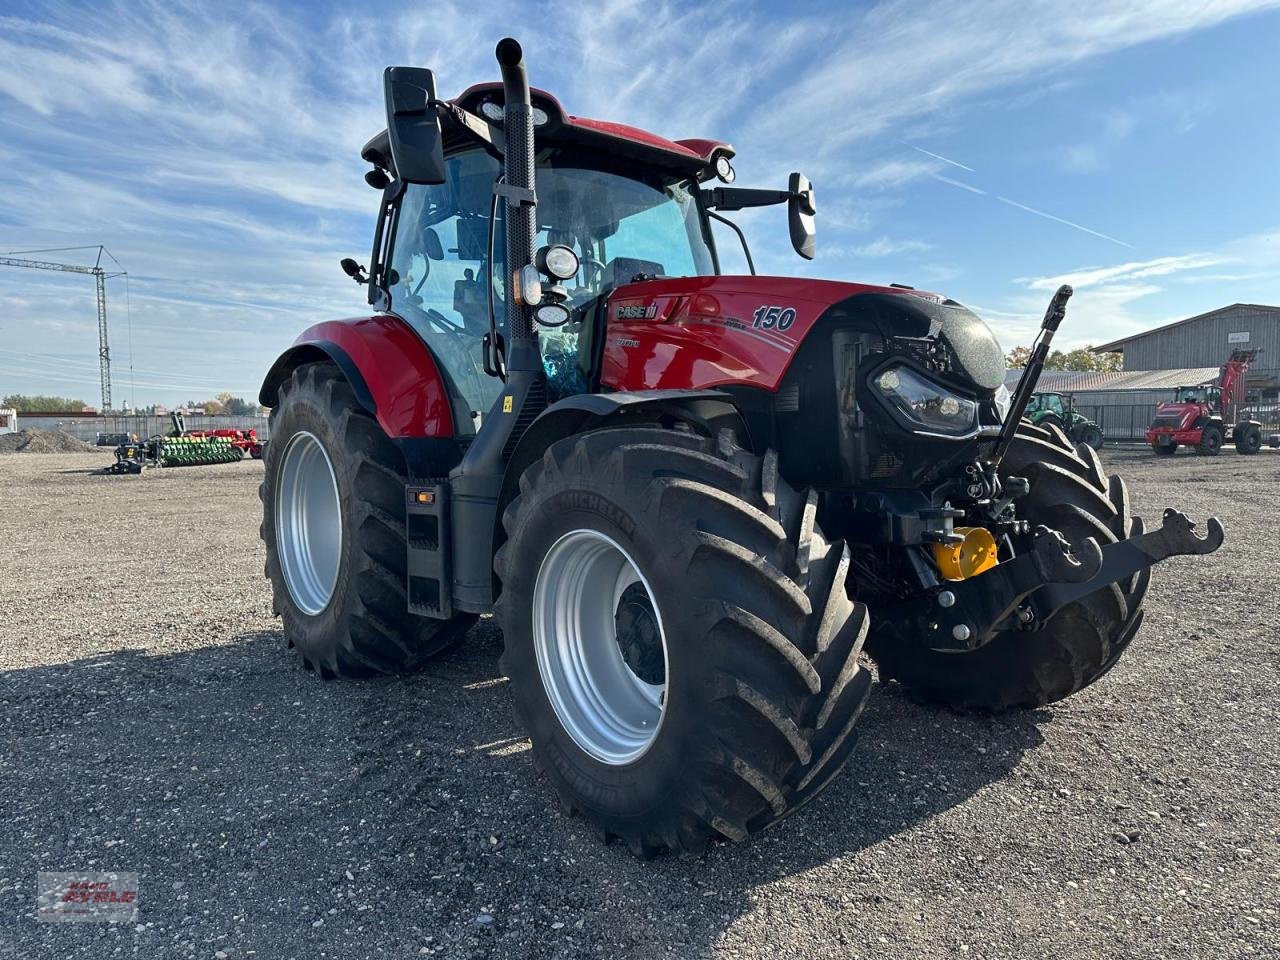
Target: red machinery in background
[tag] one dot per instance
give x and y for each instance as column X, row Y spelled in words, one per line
column 244, row 440
column 1199, row 416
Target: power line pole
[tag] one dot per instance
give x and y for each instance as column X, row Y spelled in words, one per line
column 100, row 277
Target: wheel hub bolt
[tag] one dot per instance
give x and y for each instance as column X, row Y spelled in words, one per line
column 946, row 599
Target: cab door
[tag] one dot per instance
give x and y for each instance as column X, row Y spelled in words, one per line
column 437, row 277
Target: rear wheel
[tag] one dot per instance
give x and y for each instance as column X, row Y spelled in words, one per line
column 1070, row 493
column 1210, row 441
column 333, row 520
column 1091, row 435
column 679, row 640
column 1248, row 439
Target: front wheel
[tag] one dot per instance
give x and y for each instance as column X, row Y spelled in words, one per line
column 1069, row 493
column 333, row 521
column 1164, row 449
column 678, row 637
column 1210, row 441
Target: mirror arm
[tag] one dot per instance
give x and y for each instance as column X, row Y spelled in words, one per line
column 489, row 134
column 739, row 198
column 741, row 236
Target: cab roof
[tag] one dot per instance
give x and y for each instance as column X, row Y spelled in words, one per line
column 693, row 157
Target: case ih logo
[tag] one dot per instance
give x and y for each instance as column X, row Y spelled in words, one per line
column 637, row 312
column 71, row 897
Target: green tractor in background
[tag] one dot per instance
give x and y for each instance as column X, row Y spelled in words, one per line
column 1052, row 408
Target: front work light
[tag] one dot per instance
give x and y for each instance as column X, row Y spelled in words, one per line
column 557, row 261
column 925, row 404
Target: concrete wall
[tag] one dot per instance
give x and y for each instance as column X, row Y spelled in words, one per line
column 88, row 428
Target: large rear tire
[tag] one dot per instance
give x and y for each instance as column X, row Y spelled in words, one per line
column 333, row 521
column 678, row 636
column 1070, row 493
column 1091, row 435
column 1248, row 438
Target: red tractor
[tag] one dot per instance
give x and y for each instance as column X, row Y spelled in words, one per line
column 689, row 498
column 1199, row 416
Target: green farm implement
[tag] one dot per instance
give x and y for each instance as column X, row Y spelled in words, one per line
column 178, row 449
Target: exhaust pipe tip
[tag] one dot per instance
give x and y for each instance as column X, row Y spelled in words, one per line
column 508, row 52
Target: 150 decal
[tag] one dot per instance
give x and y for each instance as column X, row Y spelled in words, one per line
column 768, row 318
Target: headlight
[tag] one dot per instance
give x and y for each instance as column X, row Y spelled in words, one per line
column 926, row 404
column 492, row 111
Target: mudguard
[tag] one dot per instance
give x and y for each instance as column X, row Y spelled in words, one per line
column 391, row 370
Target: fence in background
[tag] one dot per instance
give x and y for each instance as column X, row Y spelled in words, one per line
column 88, row 428
column 1127, row 423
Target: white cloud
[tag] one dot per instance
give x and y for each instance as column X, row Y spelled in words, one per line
column 1125, row 273
column 885, row 246
column 889, row 174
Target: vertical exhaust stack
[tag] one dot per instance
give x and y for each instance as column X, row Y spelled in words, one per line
column 519, row 186
column 476, row 483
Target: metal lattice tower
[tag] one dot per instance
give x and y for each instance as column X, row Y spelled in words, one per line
column 100, row 277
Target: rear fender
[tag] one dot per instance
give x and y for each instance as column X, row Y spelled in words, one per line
column 391, row 370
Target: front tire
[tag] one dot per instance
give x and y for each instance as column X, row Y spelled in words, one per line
column 333, row 521
column 1210, row 441
column 1164, row 450
column 1070, row 493
column 678, row 637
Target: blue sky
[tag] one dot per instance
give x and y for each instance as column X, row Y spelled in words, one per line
column 988, row 151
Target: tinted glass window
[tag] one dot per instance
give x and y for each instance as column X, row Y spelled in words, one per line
column 439, row 257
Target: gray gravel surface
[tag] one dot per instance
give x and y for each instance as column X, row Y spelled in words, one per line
column 152, row 721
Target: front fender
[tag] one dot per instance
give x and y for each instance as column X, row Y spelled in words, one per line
column 391, row 370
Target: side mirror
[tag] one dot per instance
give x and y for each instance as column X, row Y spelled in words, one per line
column 413, row 125
column 802, row 209
column 431, row 245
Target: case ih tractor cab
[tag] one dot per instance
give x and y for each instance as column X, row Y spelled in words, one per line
column 1053, row 409
column 688, row 498
column 1198, row 416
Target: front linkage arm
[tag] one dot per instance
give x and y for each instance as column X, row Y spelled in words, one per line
column 966, row 615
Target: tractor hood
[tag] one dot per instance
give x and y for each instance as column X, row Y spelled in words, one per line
column 708, row 331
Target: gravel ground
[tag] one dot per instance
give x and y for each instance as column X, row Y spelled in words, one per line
column 151, row 721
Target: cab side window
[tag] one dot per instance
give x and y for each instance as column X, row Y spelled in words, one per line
column 438, row 263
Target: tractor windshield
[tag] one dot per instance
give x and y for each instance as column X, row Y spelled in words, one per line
column 623, row 229
column 1192, row 395
column 622, row 226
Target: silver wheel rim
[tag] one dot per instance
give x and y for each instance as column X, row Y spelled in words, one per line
column 308, row 523
column 602, row 703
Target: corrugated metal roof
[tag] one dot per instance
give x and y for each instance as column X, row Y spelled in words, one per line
column 1072, row 381
column 1115, row 345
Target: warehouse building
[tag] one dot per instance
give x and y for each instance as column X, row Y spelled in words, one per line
column 1206, row 340
column 1184, row 353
